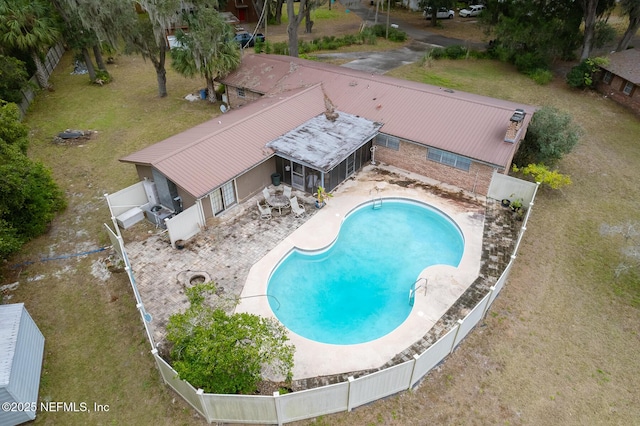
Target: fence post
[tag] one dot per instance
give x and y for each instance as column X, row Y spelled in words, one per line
column 276, row 402
column 455, row 338
column 416, row 357
column 486, row 308
column 349, row 407
column 200, row 394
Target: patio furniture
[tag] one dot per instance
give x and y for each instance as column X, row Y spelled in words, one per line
column 265, row 194
column 287, row 192
column 265, row 211
column 278, row 201
column 296, row 208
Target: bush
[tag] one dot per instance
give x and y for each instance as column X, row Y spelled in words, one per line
column 542, row 174
column 541, row 76
column 529, row 62
column 394, row 33
column 550, row 136
column 437, row 53
column 456, row 51
column 582, row 75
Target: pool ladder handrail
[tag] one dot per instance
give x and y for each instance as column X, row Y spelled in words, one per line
column 413, row 289
column 376, row 199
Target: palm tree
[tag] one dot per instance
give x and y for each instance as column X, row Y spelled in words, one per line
column 28, row 26
column 208, row 49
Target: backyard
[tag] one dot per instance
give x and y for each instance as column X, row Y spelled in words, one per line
column 559, row 345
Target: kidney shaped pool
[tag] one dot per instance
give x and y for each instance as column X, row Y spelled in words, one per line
column 357, row 289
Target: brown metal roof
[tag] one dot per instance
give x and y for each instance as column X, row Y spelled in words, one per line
column 467, row 124
column 210, row 154
column 625, row 64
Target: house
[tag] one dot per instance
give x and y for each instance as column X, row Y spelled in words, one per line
column 620, row 78
column 317, row 124
column 21, row 352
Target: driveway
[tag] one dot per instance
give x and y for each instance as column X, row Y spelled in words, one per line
column 381, row 62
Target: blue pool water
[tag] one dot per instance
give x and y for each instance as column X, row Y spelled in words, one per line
column 358, row 289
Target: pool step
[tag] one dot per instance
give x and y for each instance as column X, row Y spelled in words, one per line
column 377, row 203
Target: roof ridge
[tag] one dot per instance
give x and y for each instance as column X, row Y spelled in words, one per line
column 397, row 82
column 182, row 148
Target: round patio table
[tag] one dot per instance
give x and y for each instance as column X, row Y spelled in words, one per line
column 278, row 201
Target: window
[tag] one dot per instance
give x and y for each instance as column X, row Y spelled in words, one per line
column 223, row 197
column 240, row 92
column 388, row 141
column 627, row 88
column 449, row 159
column 607, row 77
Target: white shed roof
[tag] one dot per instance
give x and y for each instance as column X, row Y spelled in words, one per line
column 10, row 316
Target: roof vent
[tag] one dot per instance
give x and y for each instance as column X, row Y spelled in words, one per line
column 515, row 124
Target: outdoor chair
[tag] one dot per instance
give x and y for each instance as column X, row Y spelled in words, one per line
column 265, row 194
column 296, row 208
column 287, row 192
column 265, row 211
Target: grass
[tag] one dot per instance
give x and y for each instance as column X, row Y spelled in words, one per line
column 560, row 344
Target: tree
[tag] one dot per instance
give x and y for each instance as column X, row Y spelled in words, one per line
column 208, row 49
column 592, row 9
column 29, row 198
column 294, row 23
column 532, row 34
column 631, row 8
column 13, row 77
column 29, row 25
column 223, row 353
column 551, row 135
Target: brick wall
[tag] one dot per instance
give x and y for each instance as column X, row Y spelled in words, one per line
column 413, row 158
column 614, row 91
column 236, row 101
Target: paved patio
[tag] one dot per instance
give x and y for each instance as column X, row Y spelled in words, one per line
column 239, row 241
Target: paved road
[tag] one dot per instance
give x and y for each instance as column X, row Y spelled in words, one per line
column 381, row 62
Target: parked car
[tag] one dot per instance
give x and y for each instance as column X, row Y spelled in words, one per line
column 443, row 13
column 473, row 10
column 246, row 39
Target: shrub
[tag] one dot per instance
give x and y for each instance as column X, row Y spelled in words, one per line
column 437, row 53
column 529, row 62
column 394, row 33
column 582, row 75
column 542, row 174
column 541, row 76
column 455, row 51
column 281, row 48
column 550, row 136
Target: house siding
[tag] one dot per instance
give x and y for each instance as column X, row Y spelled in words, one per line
column 413, row 158
column 614, row 90
column 252, row 182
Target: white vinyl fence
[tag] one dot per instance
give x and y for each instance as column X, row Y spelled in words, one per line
column 344, row 396
column 180, row 227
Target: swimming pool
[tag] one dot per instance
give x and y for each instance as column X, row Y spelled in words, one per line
column 357, row 290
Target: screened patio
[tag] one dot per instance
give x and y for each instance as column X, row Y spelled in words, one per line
column 324, row 151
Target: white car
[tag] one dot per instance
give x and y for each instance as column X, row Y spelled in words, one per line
column 473, row 10
column 443, row 13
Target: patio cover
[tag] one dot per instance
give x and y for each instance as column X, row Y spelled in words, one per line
column 325, row 140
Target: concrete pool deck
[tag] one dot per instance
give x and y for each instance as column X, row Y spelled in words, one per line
column 237, row 244
column 445, row 283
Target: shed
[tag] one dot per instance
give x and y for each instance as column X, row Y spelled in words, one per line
column 21, row 352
